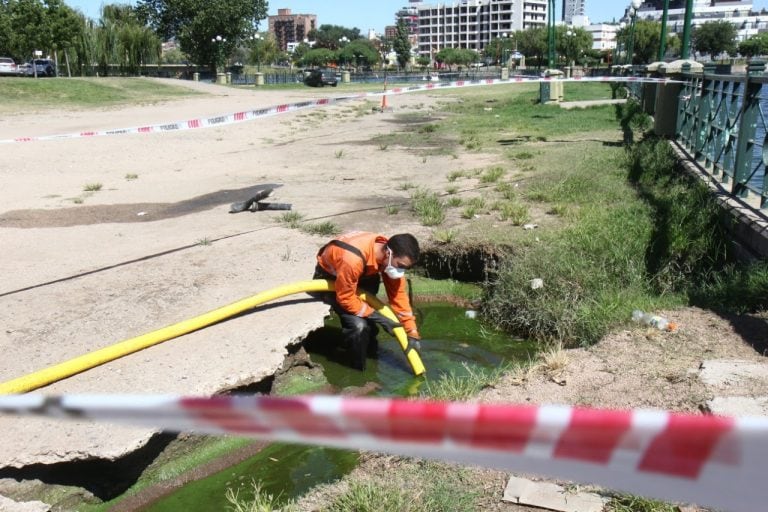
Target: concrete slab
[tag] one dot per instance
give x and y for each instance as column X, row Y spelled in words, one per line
column 727, row 372
column 739, row 406
column 8, row 505
column 551, row 496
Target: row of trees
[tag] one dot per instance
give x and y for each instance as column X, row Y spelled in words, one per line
column 128, row 37
column 712, row 38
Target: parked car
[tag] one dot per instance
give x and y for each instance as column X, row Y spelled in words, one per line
column 321, row 77
column 45, row 67
column 7, row 66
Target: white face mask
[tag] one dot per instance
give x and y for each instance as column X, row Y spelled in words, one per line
column 393, row 272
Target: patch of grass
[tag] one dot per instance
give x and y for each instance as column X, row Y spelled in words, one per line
column 431, row 287
column 383, row 147
column 406, row 185
column 204, row 242
column 131, row 176
column 477, row 202
column 629, row 503
column 492, row 175
column 507, row 190
column 452, row 189
column 441, row 488
column 260, row 501
column 523, row 155
column 339, row 153
column 23, row 95
column 454, row 202
column 392, row 209
column 515, row 212
column 428, row 208
column 560, row 210
column 471, row 142
column 657, row 249
column 428, row 128
column 454, row 175
column 326, row 228
column 469, row 212
column 92, row 187
column 77, row 200
column 444, row 236
column 586, row 91
column 292, row 219
column 463, row 384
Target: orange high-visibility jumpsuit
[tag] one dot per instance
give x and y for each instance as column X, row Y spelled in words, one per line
column 349, row 267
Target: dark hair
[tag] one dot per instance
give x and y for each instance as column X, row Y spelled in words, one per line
column 404, row 244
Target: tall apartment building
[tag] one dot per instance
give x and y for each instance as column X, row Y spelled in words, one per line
column 410, row 16
column 573, row 8
column 738, row 12
column 291, row 28
column 472, row 24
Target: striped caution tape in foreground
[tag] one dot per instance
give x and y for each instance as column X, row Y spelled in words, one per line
column 250, row 115
column 712, row 461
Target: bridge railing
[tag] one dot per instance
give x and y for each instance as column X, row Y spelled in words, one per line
column 722, row 123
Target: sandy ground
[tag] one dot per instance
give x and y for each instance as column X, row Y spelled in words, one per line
column 100, row 258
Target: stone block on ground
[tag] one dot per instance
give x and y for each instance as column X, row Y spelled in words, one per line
column 551, row 496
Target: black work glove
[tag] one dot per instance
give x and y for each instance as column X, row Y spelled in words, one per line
column 414, row 343
column 385, row 323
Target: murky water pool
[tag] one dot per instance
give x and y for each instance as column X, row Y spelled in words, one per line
column 452, row 343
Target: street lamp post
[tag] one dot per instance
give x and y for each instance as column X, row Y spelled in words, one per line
column 256, row 39
column 342, row 42
column 551, row 34
column 499, row 50
column 634, row 6
column 218, row 44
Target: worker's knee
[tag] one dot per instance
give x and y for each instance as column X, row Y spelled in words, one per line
column 357, row 326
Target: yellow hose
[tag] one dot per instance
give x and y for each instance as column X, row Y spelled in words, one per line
column 98, row 357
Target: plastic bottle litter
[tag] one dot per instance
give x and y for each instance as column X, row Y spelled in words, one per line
column 471, row 314
column 656, row 321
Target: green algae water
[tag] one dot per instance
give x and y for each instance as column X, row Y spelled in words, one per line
column 452, row 343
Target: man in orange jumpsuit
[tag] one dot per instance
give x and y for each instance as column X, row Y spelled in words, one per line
column 361, row 260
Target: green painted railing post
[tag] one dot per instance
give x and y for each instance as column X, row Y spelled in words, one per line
column 703, row 129
column 663, row 39
column 685, row 50
column 750, row 111
column 689, row 105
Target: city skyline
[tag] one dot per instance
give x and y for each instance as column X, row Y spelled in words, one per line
column 380, row 13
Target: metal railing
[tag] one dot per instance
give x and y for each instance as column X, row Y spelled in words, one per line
column 721, row 122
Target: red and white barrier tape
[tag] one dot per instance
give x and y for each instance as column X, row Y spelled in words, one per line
column 250, row 115
column 708, row 460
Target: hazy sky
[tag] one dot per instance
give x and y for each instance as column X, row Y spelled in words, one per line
column 376, row 14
